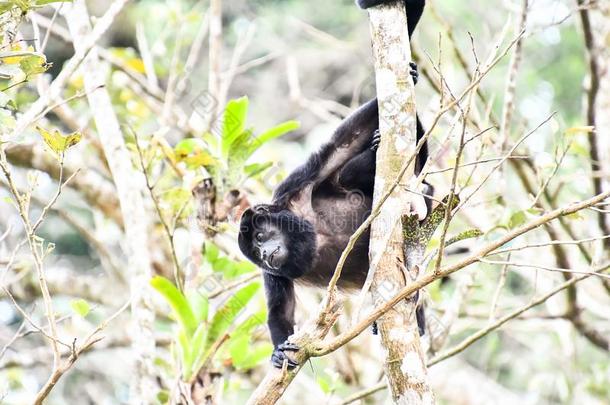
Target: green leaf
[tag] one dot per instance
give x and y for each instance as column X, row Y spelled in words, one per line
column 57, row 142
column 176, row 200
column 22, row 4
column 187, row 146
column 577, row 216
column 163, row 396
column 21, row 64
column 238, row 348
column 256, row 355
column 247, row 326
column 15, row 57
column 239, row 154
column 324, row 384
column 184, row 349
column 200, row 306
column 222, row 264
column 225, row 316
column 518, row 218
column 234, row 120
column 80, row 307
column 256, row 168
column 239, row 268
column 178, row 302
column 277, row 131
column 580, row 130
column 6, row 6
column 34, row 64
column 230, row 268
column 194, row 153
column 197, row 352
column 211, row 252
column 239, row 149
column 45, row 2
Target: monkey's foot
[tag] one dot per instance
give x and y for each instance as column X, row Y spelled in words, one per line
column 279, row 356
column 414, row 72
column 375, row 141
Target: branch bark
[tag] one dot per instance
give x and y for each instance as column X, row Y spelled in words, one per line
column 405, row 365
column 598, row 99
column 40, row 106
column 129, row 190
column 96, row 190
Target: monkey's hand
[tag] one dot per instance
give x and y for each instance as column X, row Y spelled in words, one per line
column 279, row 355
column 375, row 141
column 414, row 72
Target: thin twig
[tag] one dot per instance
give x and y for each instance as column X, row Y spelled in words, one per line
column 541, row 267
column 485, row 331
column 169, row 232
column 511, row 82
column 428, row 278
column 102, row 25
column 478, row 162
column 551, row 243
column 364, row 393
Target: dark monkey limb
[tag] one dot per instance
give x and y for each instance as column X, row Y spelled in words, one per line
column 301, row 234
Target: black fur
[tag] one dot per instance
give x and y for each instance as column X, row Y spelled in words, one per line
column 415, row 8
column 302, row 233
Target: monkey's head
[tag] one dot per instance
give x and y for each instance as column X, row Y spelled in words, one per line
column 277, row 240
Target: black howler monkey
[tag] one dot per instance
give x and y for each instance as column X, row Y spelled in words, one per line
column 315, row 210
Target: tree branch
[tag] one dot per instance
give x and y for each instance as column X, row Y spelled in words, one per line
column 393, row 261
column 129, row 190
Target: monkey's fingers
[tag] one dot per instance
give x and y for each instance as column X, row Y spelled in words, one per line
column 376, row 140
column 414, row 72
column 279, row 357
column 287, row 346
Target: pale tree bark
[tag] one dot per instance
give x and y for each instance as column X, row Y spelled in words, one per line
column 129, row 189
column 215, row 61
column 596, row 26
column 405, row 365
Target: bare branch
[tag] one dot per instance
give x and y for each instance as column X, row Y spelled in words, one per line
column 485, row 331
column 70, row 67
column 129, row 190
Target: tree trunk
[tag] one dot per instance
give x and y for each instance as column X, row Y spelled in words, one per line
column 602, row 108
column 596, row 25
column 129, row 189
column 405, row 365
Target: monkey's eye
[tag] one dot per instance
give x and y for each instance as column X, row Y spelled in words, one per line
column 259, row 236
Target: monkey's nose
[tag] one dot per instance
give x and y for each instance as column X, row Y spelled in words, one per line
column 263, row 254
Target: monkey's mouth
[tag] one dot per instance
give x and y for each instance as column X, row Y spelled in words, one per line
column 273, row 261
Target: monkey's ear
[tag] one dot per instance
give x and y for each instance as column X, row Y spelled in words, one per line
column 261, row 209
column 246, row 227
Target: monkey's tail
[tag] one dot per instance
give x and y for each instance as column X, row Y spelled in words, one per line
column 420, row 315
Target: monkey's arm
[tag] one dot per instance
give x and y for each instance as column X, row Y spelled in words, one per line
column 353, row 136
column 280, row 305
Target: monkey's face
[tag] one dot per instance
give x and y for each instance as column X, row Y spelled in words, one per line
column 276, row 240
column 270, row 246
